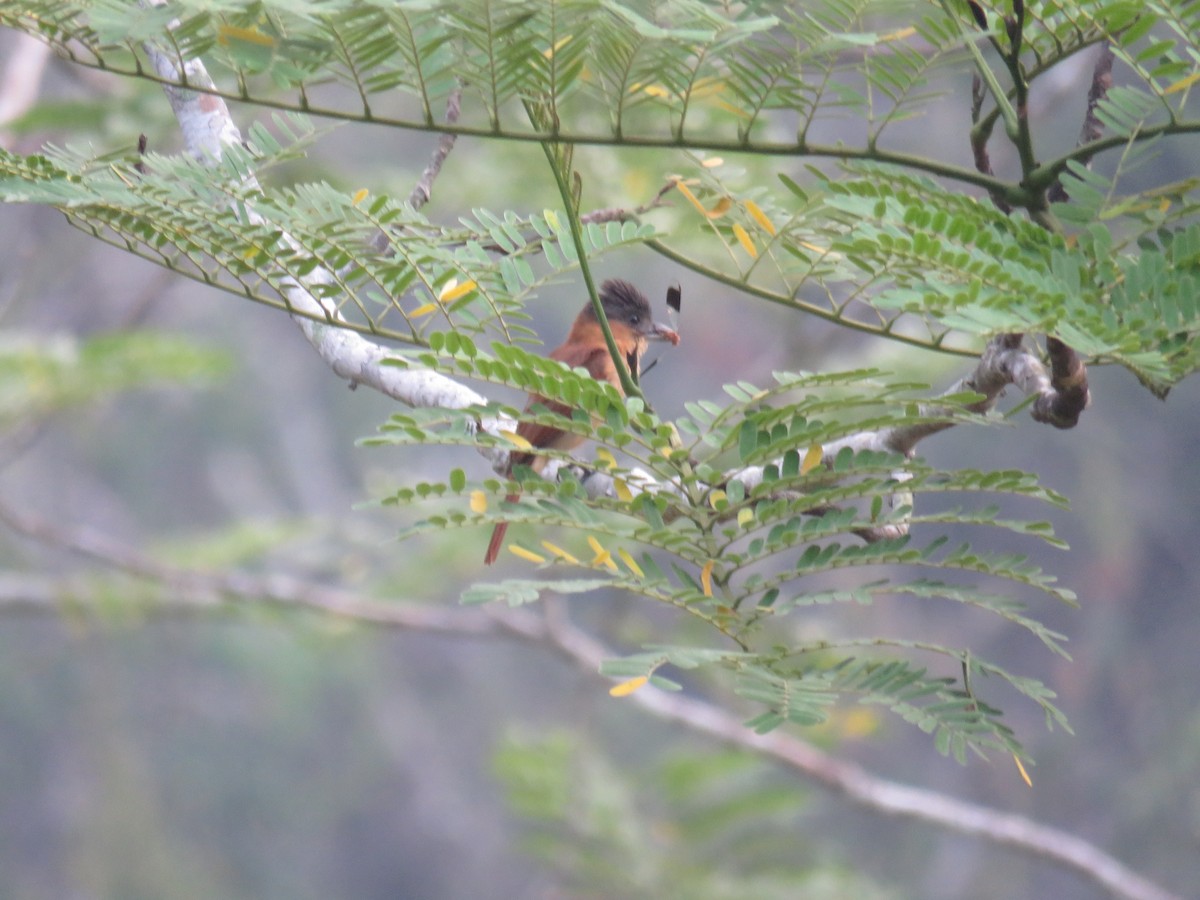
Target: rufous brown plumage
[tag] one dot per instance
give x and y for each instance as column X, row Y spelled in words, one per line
column 632, row 326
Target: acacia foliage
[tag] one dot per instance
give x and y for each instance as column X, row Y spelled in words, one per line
column 737, row 515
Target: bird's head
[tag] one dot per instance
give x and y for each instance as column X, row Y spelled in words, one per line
column 625, row 305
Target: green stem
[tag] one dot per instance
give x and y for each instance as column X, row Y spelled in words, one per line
column 950, row 171
column 791, row 302
column 628, row 385
column 1023, row 139
column 1046, row 173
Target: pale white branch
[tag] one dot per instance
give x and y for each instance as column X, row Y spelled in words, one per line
column 1005, row 361
column 208, row 128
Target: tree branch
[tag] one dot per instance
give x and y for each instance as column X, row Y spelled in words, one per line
column 190, row 592
column 1092, row 129
column 423, row 189
column 870, row 791
column 1060, row 401
column 1005, row 361
column 208, row 128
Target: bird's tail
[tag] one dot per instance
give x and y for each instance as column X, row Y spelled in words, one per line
column 498, row 532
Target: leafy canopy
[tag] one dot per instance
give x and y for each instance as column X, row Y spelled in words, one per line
column 876, row 248
column 741, row 515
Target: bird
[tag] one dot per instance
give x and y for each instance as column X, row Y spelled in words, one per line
column 633, row 327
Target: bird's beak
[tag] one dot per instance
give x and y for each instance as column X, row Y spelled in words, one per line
column 656, row 331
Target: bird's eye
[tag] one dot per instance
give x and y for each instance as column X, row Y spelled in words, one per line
column 634, row 319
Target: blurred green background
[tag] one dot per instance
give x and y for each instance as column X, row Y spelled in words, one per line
column 260, row 753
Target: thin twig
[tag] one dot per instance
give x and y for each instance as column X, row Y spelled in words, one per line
column 192, row 590
column 1092, row 129
column 423, row 189
column 621, row 214
column 981, row 133
column 533, row 240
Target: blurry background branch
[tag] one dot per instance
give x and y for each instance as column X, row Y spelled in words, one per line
column 190, row 592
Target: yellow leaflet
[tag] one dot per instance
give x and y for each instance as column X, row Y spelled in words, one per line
column 478, row 502
column 706, row 578
column 812, row 459
column 227, row 34
column 452, row 290
column 552, row 50
column 760, row 217
column 712, row 162
column 1164, row 204
column 423, row 310
column 730, row 108
column 656, row 90
column 625, row 688
column 603, row 557
column 627, row 558
column 899, row 35
column 859, row 723
column 716, row 497
column 513, row 438
column 359, row 196
column 687, row 192
column 1021, row 768
column 560, row 553
column 623, row 492
column 112, row 168
column 744, row 239
column 706, row 87
column 719, row 209
column 745, row 516
column 606, row 458
column 518, row 550
column 1183, row 83
column 551, row 218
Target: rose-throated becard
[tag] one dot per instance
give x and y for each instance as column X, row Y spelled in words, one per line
column 629, row 319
